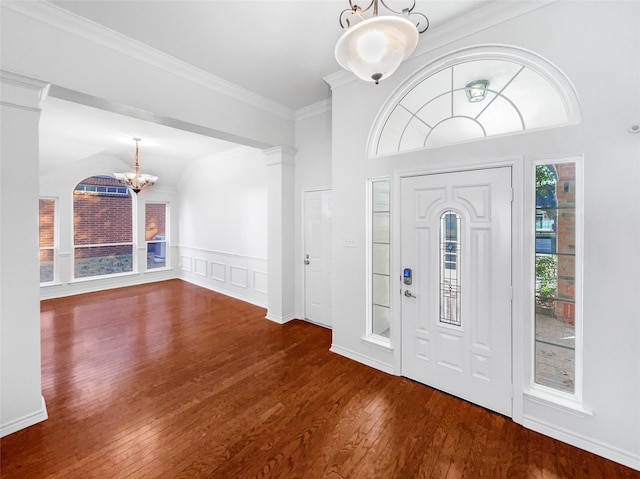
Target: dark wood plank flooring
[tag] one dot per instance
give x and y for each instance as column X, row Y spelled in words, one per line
column 170, row 380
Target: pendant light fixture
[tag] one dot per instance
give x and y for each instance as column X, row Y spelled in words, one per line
column 373, row 48
column 134, row 180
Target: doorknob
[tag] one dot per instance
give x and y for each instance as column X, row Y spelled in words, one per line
column 408, row 294
column 306, row 259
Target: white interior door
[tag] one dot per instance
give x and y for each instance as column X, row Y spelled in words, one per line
column 456, row 314
column 317, row 256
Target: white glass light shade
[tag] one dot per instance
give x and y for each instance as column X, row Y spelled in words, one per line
column 135, row 182
column 373, row 49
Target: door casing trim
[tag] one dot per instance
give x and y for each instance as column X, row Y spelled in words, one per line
column 518, row 259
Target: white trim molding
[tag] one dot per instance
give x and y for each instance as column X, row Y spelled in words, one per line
column 280, row 319
column 60, row 18
column 227, row 273
column 25, row 421
column 309, row 111
column 581, row 441
column 361, row 358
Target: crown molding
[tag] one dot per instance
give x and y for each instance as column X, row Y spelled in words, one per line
column 19, row 91
column 280, row 155
column 476, row 21
column 69, row 22
column 314, row 109
column 339, row 78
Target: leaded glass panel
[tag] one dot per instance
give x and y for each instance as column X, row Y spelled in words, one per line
column 450, row 236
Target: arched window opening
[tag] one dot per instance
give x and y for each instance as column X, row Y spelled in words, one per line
column 473, row 96
column 102, row 228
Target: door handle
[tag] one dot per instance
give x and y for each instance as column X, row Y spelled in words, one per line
column 408, row 294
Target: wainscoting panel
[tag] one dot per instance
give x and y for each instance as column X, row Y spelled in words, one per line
column 200, row 267
column 241, row 277
column 218, row 271
column 185, row 263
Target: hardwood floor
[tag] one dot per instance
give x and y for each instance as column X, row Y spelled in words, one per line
column 170, row 380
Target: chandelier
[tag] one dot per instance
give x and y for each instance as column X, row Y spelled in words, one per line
column 134, row 180
column 373, row 48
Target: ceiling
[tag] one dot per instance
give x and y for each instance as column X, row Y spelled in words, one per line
column 71, row 132
column 280, row 50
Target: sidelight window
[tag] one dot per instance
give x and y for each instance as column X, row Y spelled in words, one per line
column 379, row 324
column 556, row 275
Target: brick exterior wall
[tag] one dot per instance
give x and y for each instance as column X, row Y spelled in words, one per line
column 47, row 228
column 566, row 241
column 101, row 218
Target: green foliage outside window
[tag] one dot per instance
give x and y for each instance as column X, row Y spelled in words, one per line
column 546, row 265
column 546, row 270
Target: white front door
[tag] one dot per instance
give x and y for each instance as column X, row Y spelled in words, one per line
column 317, row 256
column 456, row 313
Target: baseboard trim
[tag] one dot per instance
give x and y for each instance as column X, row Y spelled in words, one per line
column 374, row 363
column 578, row 440
column 280, row 319
column 25, row 421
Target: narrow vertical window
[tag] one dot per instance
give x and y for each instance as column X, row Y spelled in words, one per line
column 102, row 228
column 380, row 259
column 450, row 268
column 555, row 276
column 47, row 236
column 155, row 233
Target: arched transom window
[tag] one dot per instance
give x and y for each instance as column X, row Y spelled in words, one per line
column 471, row 97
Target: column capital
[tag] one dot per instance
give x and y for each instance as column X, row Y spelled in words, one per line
column 280, row 155
column 20, row 91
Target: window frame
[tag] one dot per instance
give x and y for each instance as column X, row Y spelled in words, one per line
column 547, row 394
column 370, row 336
column 132, row 243
column 166, row 241
column 54, row 249
column 555, row 78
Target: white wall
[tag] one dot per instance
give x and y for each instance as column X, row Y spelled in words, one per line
column 313, row 172
column 223, row 224
column 595, row 45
